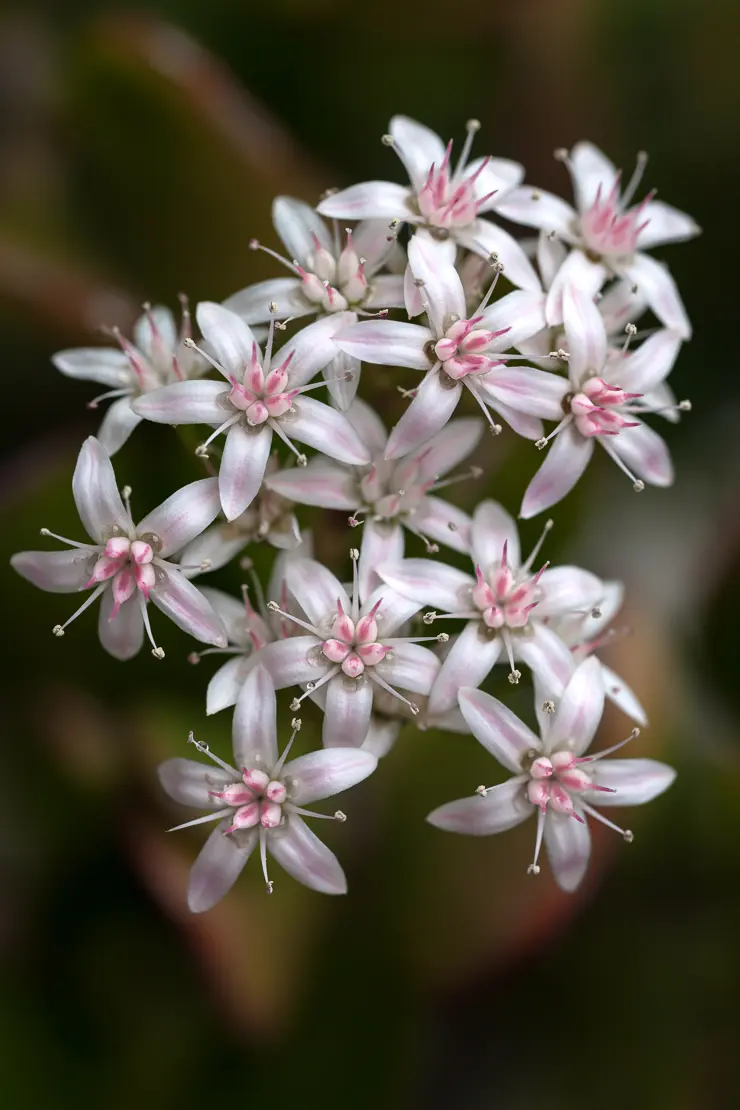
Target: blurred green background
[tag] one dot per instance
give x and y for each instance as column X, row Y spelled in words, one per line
column 139, row 152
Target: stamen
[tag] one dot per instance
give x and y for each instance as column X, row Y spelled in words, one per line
column 354, row 555
column 474, row 472
column 58, row 629
column 608, row 751
column 628, row 835
column 540, row 444
column 495, row 428
column 209, row 358
column 498, row 269
column 536, row 549
column 534, row 867
column 269, row 886
column 272, row 309
column 296, row 725
column 274, row 607
column 472, row 127
column 195, row 656
column 205, row 750
column 217, row 816
column 338, row 816
column 372, row 673
column 311, row 687
column 157, row 652
column 109, row 395
column 634, row 181
column 514, row 674
column 63, row 539
column 631, row 332
column 300, row 458
column 255, row 245
column 202, row 451
column 637, row 484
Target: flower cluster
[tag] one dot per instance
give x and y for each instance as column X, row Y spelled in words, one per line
column 508, row 331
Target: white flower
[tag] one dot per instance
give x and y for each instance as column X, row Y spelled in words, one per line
column 159, row 355
column 507, row 606
column 456, row 351
column 329, row 277
column 389, row 495
column 603, row 399
column 262, row 802
column 266, row 394
column 607, row 236
column 128, row 564
column 350, row 648
column 552, row 776
column 446, row 202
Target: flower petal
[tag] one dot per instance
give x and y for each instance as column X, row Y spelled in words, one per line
column 591, row 170
column 578, row 711
column 529, row 427
column 382, row 542
column 327, row 772
column 655, row 283
column 106, row 365
column 486, row 238
column 492, row 528
column 219, row 865
column 618, row 692
column 197, row 402
column 645, row 453
column 225, row 686
column 186, row 606
column 521, row 312
column 551, row 254
column 368, row 425
column 546, row 656
column 441, row 289
column 371, row 241
column 538, row 208
column 387, row 343
column 183, row 516
column 413, row 667
column 429, row 583
column 313, row 347
column 229, row 337
column 327, row 430
column 96, row 493
column 439, row 520
column 495, row 175
column 347, row 712
column 533, row 392
column 635, row 781
column 190, row 783
column 316, row 590
column 253, row 302
column 155, row 330
column 584, row 333
column 217, row 546
column 447, row 448
column 566, row 461
column 122, row 635
column 666, row 225
column 499, row 730
column 342, row 377
column 385, row 291
column 469, row 661
column 254, row 731
column 369, row 200
column 579, row 272
column 289, row 661
column 299, row 225
column 566, row 590
column 381, row 736
column 300, row 852
column 503, row 807
column 242, row 469
column 117, row 425
column 568, row 844
column 58, row 572
column 417, row 146
column 434, row 403
column 394, row 609
column 644, row 369
column 323, row 483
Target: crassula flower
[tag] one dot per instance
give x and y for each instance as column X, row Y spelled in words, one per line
column 507, row 605
column 386, row 497
column 456, row 351
column 128, row 565
column 261, row 800
column 552, row 776
column 330, row 274
column 608, row 237
column 446, row 201
column 158, row 355
column 602, row 400
column 266, row 394
column 350, row 648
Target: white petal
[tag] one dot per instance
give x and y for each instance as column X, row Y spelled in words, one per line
column 298, row 224
column 183, row 516
column 566, row 590
column 644, row 369
column 382, row 542
column 412, row 298
column 123, row 635
column 186, row 606
column 417, row 146
column 313, row 347
column 371, row 241
column 218, row 866
column 618, row 692
column 118, row 424
column 492, row 528
column 591, row 169
column 217, row 546
column 58, row 572
column 529, row 427
column 579, row 272
column 96, row 493
column 387, row 343
column 620, row 305
column 316, row 590
column 439, row 520
column 546, row 656
column 413, row 667
column 578, row 711
column 163, row 336
column 667, row 225
column 435, row 401
column 232, row 614
column 342, row 377
column 441, row 289
column 327, row 430
column 499, row 176
column 288, row 661
column 533, row 392
column 469, row 661
column 253, row 302
column 369, row 200
column 521, row 312
column 568, row 844
column 486, row 238
column 498, row 729
column 645, row 453
column 189, row 783
column 447, row 448
column 368, row 425
column 585, row 335
column 229, row 337
column 323, row 483
column 242, row 469
column 254, row 731
column 429, row 583
column 661, row 398
column 551, row 254
column 381, row 736
column 96, row 364
column 537, row 208
column 347, row 712
column 327, row 772
column 655, row 284
column 225, row 686
column 503, row 807
column 385, row 291
column 635, row 781
column 185, row 403
column 566, row 461
column 300, row 852
column 394, row 611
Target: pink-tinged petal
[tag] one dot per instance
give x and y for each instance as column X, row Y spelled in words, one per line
column 634, row 781
column 533, row 392
column 254, row 730
column 105, row 365
column 412, row 667
column 585, row 335
column 441, row 289
column 448, row 448
column 645, row 453
column 154, row 330
column 243, row 464
column 191, row 783
column 663, row 397
column 253, row 302
column 578, row 710
column 369, row 200
column 300, row 852
column 183, row 516
column 96, row 493
column 186, row 606
column 522, row 313
column 232, row 614
column 347, row 712
column 566, row 461
column 327, row 431
column 313, row 347
column 498, row 729
column 316, row 590
column 579, row 272
column 655, row 283
column 382, row 542
column 292, row 662
column 439, row 520
column 381, row 736
column 225, row 686
column 117, row 425
column 492, row 528
column 609, row 604
column 412, row 299
column 417, row 146
column 370, row 239
column 568, row 845
column 327, row 772
column 666, row 225
column 299, row 225
column 620, row 305
column 549, row 660
column 393, row 611
column 567, row 590
column 229, row 337
column 342, row 377
column 469, row 661
column 385, row 291
column 495, row 175
column 219, row 865
column 591, row 170
column 503, row 807
column 618, row 692
column 387, row 343
column 186, row 402
column 435, row 401
column 323, row 483
column 122, row 635
column 645, row 368
column 528, row 427
column 429, row 583
column 486, row 238
column 217, row 546
column 368, row 425
column 58, row 572
column 537, row 208
column 551, row 254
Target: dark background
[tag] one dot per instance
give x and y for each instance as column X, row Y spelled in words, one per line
column 139, row 152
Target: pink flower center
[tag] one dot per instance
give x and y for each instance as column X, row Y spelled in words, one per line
column 608, row 229
column 505, row 598
column 258, row 800
column 554, row 778
column 261, row 396
column 333, row 284
column 354, row 645
column 449, row 200
column 129, row 564
column 596, row 408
